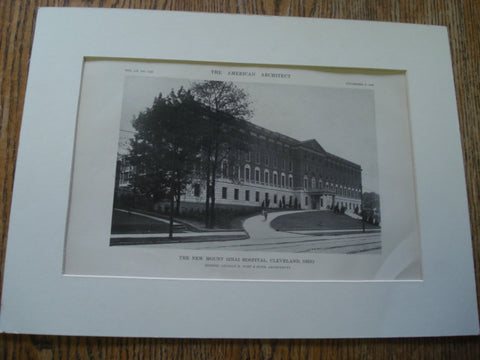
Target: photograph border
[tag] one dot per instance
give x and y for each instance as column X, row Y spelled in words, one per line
column 444, row 303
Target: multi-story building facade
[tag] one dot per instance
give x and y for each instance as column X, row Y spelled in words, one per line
column 281, row 172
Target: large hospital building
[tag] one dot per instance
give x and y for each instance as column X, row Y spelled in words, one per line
column 282, row 172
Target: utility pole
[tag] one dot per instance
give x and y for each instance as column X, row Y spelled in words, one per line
column 361, row 204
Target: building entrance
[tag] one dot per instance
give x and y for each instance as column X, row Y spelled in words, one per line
column 320, row 201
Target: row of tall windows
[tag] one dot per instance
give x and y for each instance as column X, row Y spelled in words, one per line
column 274, row 179
column 267, row 179
column 256, row 176
column 341, row 190
column 314, row 184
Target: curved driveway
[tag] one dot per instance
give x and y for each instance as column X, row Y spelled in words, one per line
column 258, row 228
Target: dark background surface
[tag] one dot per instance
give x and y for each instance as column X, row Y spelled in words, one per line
column 17, row 20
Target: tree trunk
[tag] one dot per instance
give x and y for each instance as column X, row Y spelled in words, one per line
column 177, row 205
column 170, row 227
column 207, row 204
column 212, row 205
column 212, row 191
column 208, row 190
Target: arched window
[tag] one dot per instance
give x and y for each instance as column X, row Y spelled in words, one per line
column 314, row 183
column 266, row 177
column 283, row 179
column 275, row 178
column 290, row 181
column 305, row 182
column 247, row 173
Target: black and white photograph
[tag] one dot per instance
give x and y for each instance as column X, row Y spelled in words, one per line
column 208, row 171
column 247, row 166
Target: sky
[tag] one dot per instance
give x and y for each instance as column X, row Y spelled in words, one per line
column 342, row 120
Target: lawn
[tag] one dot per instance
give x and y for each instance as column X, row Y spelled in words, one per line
column 317, row 220
column 128, row 223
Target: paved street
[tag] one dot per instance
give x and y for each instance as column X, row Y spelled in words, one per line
column 294, row 243
column 260, row 236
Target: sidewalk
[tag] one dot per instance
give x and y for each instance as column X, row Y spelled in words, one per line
column 259, row 228
column 186, row 234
